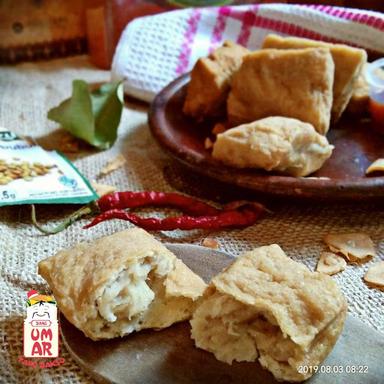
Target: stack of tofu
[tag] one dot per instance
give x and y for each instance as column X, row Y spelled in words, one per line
column 280, row 100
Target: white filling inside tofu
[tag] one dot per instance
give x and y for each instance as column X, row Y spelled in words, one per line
column 128, row 294
column 124, row 301
column 233, row 331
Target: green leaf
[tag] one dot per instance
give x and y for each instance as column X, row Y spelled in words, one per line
column 91, row 116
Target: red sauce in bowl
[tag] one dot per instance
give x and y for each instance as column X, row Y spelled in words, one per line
column 377, row 113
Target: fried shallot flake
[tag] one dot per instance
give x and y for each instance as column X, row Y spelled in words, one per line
column 208, row 144
column 376, row 166
column 375, row 275
column 356, row 247
column 112, row 165
column 103, row 189
column 330, row 263
column 210, row 243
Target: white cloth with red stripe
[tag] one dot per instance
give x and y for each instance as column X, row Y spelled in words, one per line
column 154, row 50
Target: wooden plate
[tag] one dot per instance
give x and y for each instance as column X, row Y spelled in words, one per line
column 169, row 356
column 342, row 177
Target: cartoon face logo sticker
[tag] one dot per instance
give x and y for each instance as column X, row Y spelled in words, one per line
column 41, row 312
column 41, row 307
column 41, row 336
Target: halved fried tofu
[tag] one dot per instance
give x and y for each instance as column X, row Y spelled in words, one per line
column 348, row 61
column 291, row 83
column 274, row 144
column 356, row 247
column 121, row 283
column 267, row 307
column 210, row 81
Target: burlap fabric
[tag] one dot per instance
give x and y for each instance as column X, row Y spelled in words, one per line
column 27, row 92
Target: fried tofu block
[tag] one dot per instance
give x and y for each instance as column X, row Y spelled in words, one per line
column 210, row 81
column 291, row 83
column 274, row 143
column 121, row 283
column 268, row 307
column 348, row 61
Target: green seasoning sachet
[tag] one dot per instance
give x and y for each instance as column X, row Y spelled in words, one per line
column 31, row 175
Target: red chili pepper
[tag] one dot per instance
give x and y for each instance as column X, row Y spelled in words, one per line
column 188, row 205
column 199, row 215
column 234, row 218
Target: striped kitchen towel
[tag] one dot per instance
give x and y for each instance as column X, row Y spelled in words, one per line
column 154, row 50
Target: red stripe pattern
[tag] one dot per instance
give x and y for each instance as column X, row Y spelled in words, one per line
column 249, row 17
column 344, row 13
column 280, row 26
column 221, row 22
column 186, row 48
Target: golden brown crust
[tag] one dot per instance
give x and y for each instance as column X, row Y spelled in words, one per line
column 80, row 276
column 267, row 306
column 292, row 83
column 348, row 61
column 256, row 277
column 274, row 143
column 210, row 81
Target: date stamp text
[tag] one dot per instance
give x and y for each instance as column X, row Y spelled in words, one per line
column 333, row 369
